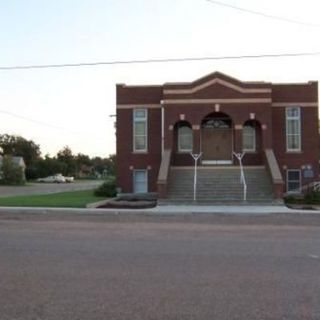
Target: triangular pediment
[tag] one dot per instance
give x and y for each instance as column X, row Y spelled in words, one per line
column 216, row 78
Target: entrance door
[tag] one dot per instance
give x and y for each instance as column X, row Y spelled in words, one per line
column 140, row 181
column 216, row 145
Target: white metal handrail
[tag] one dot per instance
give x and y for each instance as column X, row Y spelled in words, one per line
column 316, row 186
column 239, row 156
column 196, row 157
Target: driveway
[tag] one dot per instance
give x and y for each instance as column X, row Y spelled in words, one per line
column 45, row 188
column 170, row 268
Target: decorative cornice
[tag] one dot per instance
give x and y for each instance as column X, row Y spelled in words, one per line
column 219, row 81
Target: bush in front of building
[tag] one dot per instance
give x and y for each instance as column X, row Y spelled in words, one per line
column 107, row 189
column 312, row 197
column 293, row 200
column 11, row 173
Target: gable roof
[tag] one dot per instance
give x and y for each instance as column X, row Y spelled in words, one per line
column 217, row 78
column 16, row 160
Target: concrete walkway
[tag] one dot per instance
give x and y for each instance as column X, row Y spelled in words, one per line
column 166, row 210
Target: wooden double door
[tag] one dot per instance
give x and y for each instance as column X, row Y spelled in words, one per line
column 216, row 145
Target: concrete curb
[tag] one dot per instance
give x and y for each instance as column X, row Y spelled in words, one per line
column 162, row 210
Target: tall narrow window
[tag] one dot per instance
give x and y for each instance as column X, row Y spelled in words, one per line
column 294, row 181
column 249, row 137
column 185, row 139
column 293, row 129
column 140, row 136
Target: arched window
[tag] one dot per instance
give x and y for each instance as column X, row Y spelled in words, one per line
column 249, row 137
column 185, row 139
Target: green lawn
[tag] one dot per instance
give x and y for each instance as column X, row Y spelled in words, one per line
column 72, row 199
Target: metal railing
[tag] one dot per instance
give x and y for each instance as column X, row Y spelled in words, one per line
column 299, row 192
column 312, row 186
column 196, row 157
column 239, row 156
column 316, row 186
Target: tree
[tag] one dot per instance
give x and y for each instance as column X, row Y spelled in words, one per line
column 105, row 165
column 83, row 159
column 19, row 146
column 65, row 155
column 112, row 164
column 49, row 166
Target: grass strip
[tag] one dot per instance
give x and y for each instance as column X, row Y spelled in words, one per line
column 70, row 199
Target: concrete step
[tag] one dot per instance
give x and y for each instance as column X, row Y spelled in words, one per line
column 219, row 184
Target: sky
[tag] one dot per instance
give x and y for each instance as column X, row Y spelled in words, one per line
column 72, row 106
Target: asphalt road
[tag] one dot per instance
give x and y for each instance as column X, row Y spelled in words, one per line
column 208, row 267
column 45, row 188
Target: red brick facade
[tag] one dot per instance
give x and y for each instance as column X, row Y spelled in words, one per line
column 216, row 94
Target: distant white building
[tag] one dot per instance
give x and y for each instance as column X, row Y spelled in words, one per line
column 17, row 161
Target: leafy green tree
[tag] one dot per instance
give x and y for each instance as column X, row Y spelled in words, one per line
column 19, row 146
column 49, row 166
column 112, row 164
column 82, row 159
column 66, row 156
column 105, row 165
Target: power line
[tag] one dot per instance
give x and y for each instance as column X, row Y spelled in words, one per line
column 36, row 121
column 45, row 124
column 265, row 15
column 164, row 60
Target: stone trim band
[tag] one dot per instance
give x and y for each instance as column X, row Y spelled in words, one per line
column 212, row 101
column 138, row 106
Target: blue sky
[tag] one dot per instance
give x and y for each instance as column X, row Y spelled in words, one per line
column 80, row 100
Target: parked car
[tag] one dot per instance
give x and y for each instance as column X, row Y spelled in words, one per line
column 69, row 179
column 57, row 178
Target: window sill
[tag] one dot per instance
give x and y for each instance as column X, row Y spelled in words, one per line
column 289, row 193
column 139, row 152
column 184, row 152
column 293, row 151
column 250, row 151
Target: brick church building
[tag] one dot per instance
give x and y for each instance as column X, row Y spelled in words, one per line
column 274, row 124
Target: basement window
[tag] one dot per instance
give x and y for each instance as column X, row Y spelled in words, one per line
column 293, row 181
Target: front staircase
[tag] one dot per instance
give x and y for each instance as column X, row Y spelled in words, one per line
column 219, row 185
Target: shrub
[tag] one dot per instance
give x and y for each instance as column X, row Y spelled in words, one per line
column 290, row 199
column 107, row 189
column 312, row 197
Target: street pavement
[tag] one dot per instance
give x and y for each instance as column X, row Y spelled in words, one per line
column 46, row 188
column 159, row 267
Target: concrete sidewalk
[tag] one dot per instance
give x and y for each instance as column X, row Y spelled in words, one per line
column 166, row 210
